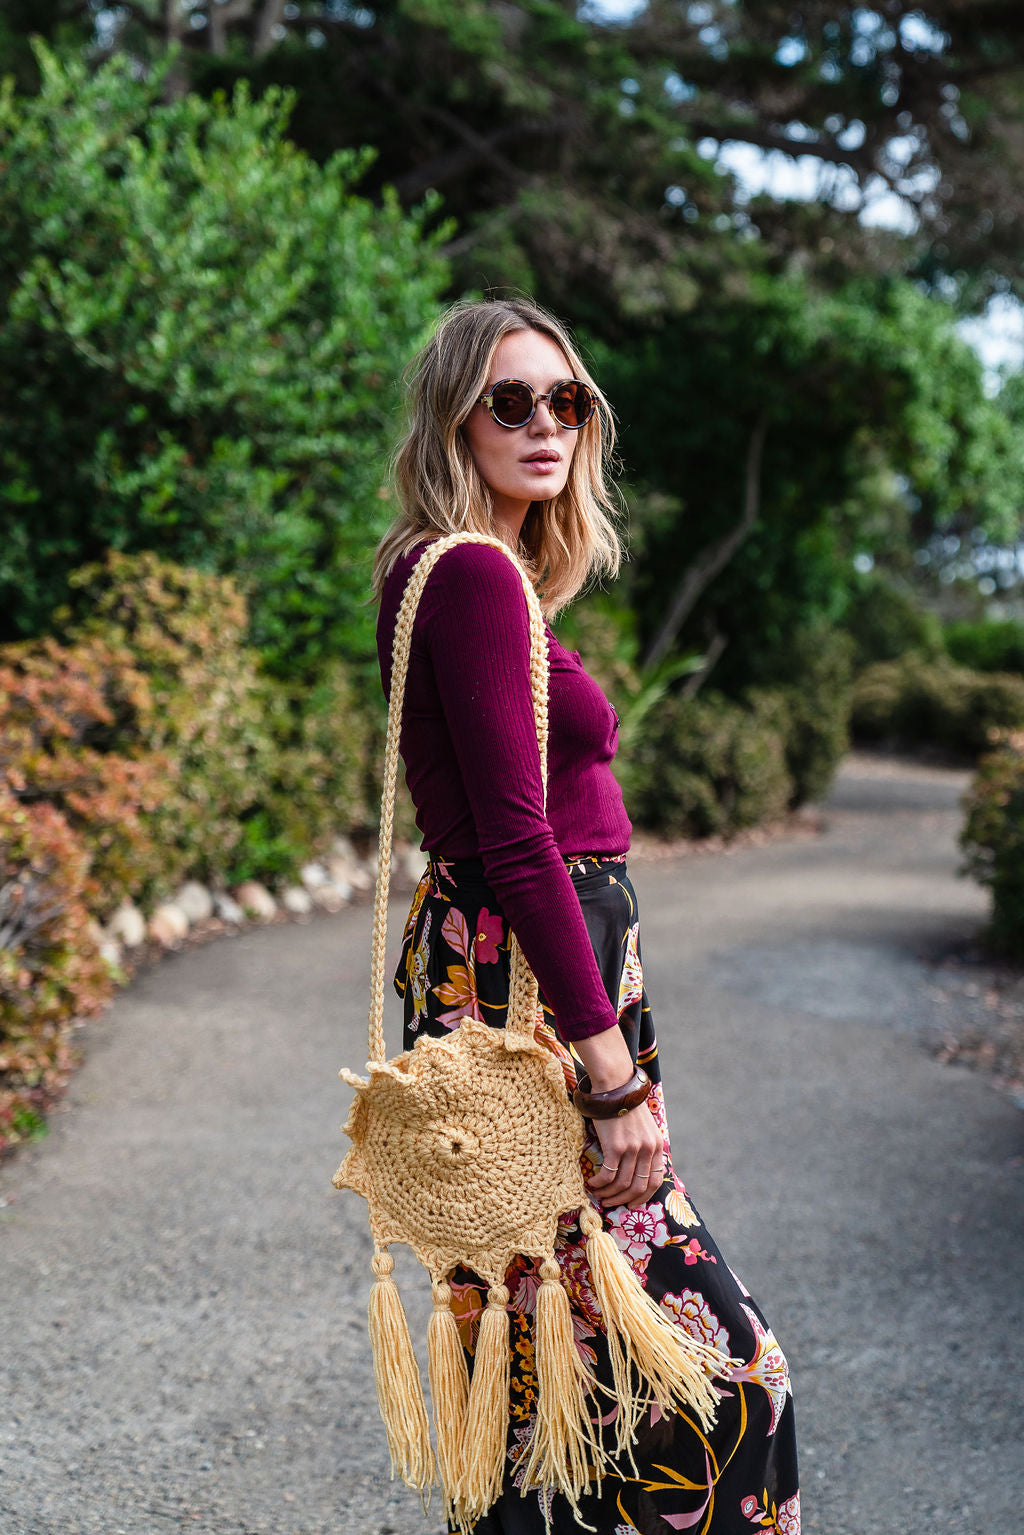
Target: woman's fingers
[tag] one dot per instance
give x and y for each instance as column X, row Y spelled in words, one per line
column 651, row 1183
column 614, row 1179
column 633, row 1153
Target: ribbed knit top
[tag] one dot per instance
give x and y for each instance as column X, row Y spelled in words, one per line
column 469, row 744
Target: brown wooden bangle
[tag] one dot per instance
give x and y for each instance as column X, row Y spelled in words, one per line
column 618, row 1101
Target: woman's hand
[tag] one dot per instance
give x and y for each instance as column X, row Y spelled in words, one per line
column 633, row 1158
column 632, row 1147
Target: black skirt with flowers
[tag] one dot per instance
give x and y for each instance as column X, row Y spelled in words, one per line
column 743, row 1475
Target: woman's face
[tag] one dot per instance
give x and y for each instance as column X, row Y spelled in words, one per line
column 507, row 458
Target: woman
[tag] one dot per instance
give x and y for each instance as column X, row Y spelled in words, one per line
column 510, row 436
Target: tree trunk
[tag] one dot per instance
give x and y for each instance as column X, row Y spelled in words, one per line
column 697, row 679
column 698, row 576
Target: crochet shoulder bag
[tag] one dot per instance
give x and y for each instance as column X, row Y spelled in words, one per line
column 467, row 1149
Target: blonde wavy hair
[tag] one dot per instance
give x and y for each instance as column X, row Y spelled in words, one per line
column 565, row 542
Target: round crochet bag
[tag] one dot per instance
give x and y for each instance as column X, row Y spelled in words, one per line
column 467, row 1149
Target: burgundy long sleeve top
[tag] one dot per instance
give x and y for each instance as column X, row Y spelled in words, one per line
column 469, row 744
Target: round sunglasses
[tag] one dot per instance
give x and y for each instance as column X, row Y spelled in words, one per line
column 513, row 403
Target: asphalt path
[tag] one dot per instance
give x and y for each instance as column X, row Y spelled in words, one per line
column 182, row 1292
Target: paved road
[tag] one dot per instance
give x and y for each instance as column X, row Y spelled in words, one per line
column 182, row 1293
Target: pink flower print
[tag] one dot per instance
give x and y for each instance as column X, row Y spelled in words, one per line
column 768, row 1369
column 751, row 1508
column 459, row 991
column 637, row 1231
column 489, row 928
column 656, row 1104
column 524, row 1296
column 572, row 1259
column 692, row 1311
column 581, row 1332
column 444, row 870
column 692, row 1250
column 517, row 1454
column 766, row 1516
column 455, row 930
column 789, row 1516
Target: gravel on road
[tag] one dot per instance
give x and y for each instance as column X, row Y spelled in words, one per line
column 183, row 1294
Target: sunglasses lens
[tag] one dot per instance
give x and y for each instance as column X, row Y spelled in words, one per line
column 512, row 404
column 572, row 404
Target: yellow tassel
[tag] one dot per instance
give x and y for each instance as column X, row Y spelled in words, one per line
column 565, row 1450
column 483, row 1469
column 449, row 1389
column 399, row 1391
column 680, row 1209
column 643, row 1341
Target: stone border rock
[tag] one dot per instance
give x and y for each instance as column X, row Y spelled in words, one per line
column 196, row 913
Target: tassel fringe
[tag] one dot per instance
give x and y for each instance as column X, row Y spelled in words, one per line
column 487, row 1417
column 653, row 1359
column 673, row 1367
column 565, row 1451
column 399, row 1390
column 449, row 1390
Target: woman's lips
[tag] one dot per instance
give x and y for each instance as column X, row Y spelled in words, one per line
column 542, row 465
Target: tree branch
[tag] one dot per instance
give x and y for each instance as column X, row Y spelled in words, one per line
column 698, row 576
column 475, row 147
column 221, row 16
column 712, row 652
column 271, row 16
column 174, row 20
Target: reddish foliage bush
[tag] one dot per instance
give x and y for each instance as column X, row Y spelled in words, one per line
column 185, row 630
column 60, row 713
column 50, row 969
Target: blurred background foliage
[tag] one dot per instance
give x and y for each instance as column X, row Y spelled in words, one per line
column 209, row 324
column 224, row 227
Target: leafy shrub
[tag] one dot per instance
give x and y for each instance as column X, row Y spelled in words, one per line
column 316, row 779
column 605, row 634
column 59, row 709
column 186, row 632
column 992, row 838
column 810, row 716
column 50, row 968
column 915, row 700
column 993, row 701
column 211, row 325
column 814, row 716
column 993, row 645
column 885, row 620
column 706, row 765
column 263, row 771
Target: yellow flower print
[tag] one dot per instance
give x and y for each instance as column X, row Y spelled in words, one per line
column 416, row 975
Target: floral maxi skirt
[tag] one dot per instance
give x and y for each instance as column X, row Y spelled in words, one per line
column 740, row 1477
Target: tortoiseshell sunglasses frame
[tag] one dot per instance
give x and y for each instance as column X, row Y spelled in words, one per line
column 488, row 400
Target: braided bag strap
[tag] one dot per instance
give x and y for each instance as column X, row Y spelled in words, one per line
column 523, row 994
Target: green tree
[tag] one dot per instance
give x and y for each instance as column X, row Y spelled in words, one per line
column 780, row 436
column 550, row 128
column 201, row 331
